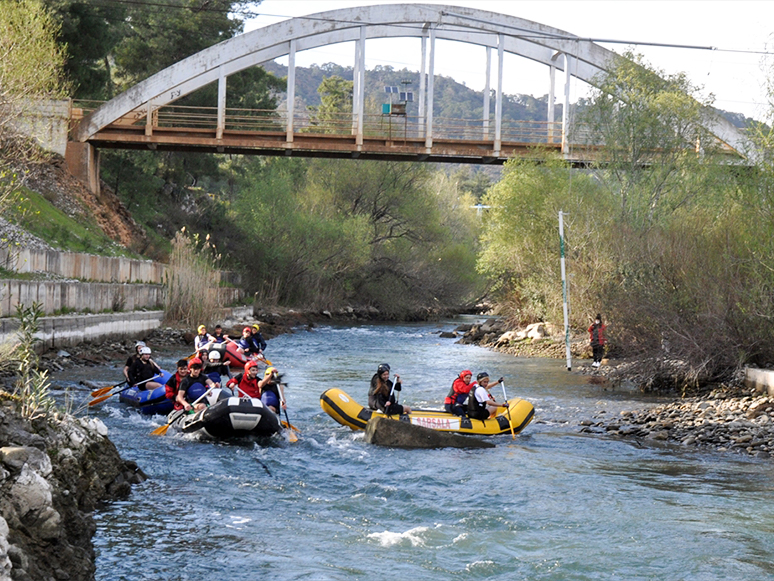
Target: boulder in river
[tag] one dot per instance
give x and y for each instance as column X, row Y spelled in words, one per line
column 382, row 431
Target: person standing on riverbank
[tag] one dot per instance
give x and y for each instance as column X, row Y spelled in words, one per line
column 598, row 340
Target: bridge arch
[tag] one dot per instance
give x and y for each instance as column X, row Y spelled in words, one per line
column 554, row 48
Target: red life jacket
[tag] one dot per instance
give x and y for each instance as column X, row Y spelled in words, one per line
column 459, row 391
column 597, row 334
column 247, row 385
column 171, row 388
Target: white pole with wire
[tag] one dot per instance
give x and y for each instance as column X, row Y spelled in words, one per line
column 565, row 308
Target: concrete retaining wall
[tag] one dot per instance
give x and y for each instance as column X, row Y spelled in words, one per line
column 78, row 296
column 90, row 296
column 47, row 121
column 91, row 267
column 82, row 266
column 76, row 329
column 760, row 379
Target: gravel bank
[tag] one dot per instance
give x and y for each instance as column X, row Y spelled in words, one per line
column 723, row 420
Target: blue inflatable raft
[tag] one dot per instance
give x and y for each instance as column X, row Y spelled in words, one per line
column 149, row 401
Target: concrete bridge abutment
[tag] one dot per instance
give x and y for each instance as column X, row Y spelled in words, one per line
column 82, row 161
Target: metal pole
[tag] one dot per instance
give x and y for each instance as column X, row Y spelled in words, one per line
column 487, row 91
column 291, row 91
column 430, row 95
column 565, row 308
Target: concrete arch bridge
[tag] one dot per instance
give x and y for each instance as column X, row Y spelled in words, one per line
column 146, row 116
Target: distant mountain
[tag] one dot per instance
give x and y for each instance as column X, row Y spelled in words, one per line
column 452, row 99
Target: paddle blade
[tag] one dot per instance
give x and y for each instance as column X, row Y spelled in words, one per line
column 290, row 426
column 292, row 438
column 161, row 430
column 99, row 400
column 104, row 390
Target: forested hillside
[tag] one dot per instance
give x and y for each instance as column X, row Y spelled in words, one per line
column 452, row 99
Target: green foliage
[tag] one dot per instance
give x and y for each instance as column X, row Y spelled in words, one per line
column 89, row 32
column 671, row 246
column 32, row 385
column 78, row 233
column 335, row 104
column 32, row 61
column 520, row 236
column 31, row 66
column 323, row 233
column 651, row 126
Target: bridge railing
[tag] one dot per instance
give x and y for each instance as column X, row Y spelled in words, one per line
column 375, row 126
column 391, row 128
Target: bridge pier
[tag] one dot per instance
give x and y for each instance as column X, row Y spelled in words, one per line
column 82, row 160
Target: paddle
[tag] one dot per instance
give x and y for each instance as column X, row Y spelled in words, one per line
column 291, row 436
column 109, row 395
column 161, row 430
column 389, row 397
column 508, row 409
column 104, row 390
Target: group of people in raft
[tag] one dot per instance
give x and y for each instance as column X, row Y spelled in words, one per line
column 205, row 370
column 466, row 397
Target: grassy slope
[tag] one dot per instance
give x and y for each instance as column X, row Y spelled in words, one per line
column 75, row 234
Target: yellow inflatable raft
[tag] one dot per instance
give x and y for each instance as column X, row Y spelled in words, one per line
column 345, row 410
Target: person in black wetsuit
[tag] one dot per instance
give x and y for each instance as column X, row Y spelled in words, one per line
column 381, row 396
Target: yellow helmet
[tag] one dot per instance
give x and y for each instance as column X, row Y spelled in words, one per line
column 270, row 371
column 256, row 327
column 201, row 328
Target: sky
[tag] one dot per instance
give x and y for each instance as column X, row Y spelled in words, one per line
column 734, row 73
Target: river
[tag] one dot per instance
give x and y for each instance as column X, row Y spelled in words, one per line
column 553, row 504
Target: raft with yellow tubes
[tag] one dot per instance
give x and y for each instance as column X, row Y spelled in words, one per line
column 345, row 410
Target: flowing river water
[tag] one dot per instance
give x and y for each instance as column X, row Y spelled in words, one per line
column 553, row 504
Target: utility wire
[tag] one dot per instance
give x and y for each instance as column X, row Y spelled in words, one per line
column 526, row 33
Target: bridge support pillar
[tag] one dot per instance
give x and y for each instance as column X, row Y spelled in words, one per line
column 82, row 161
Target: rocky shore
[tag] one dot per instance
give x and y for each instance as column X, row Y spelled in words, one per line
column 723, row 418
column 54, row 473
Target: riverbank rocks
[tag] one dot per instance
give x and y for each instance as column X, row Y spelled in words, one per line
column 720, row 420
column 399, row 434
column 53, row 474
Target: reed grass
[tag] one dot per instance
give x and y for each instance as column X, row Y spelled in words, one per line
column 191, row 281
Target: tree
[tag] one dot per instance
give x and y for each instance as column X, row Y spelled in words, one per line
column 30, row 69
column 650, row 125
column 334, row 112
column 89, row 33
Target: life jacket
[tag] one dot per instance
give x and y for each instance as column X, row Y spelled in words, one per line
column 597, row 333
column 458, row 392
column 247, row 385
column 272, row 387
column 477, row 409
column 170, row 387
